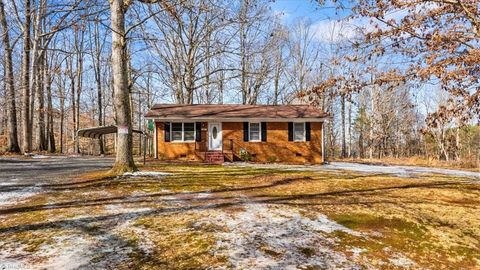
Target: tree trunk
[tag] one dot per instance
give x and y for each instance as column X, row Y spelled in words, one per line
column 457, row 143
column 50, row 133
column 372, row 120
column 243, row 56
column 62, row 114
column 13, row 145
column 79, row 49
column 73, row 97
column 98, row 80
column 276, row 79
column 39, row 85
column 27, row 128
column 124, row 158
column 349, row 129
column 344, row 140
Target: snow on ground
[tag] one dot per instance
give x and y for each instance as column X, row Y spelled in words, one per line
column 8, row 197
column 203, row 195
column 39, row 156
column 401, row 261
column 81, row 246
column 72, row 254
column 278, row 237
column 145, row 244
column 401, row 171
column 8, row 182
column 146, row 174
column 12, row 264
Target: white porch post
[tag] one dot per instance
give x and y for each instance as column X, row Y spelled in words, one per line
column 155, row 139
column 323, row 142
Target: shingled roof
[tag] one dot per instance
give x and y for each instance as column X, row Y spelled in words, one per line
column 234, row 111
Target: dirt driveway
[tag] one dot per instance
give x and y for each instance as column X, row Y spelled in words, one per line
column 65, row 214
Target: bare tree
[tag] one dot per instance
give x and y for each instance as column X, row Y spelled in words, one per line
column 13, row 145
column 97, row 48
column 124, row 160
column 27, row 127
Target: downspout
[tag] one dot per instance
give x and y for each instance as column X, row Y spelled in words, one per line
column 323, row 142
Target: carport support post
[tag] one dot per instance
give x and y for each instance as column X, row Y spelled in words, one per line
column 144, row 147
column 77, row 145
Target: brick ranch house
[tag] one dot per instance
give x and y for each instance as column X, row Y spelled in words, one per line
column 218, row 133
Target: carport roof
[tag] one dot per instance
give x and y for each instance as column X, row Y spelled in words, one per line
column 97, row 132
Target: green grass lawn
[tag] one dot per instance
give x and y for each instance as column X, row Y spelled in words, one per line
column 203, row 217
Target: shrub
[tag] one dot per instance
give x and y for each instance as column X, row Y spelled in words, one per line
column 244, row 155
column 271, row 159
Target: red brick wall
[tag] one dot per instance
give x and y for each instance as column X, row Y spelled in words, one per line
column 178, row 150
column 276, row 148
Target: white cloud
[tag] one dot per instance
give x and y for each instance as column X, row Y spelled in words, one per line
column 283, row 15
column 335, row 31
column 331, row 31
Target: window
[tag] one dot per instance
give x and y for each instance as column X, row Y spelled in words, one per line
column 299, row 132
column 177, row 132
column 183, row 132
column 188, row 131
column 254, row 133
column 214, row 133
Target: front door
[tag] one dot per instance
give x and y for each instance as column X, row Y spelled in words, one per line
column 215, row 136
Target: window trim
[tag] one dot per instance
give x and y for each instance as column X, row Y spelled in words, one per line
column 259, row 131
column 304, row 132
column 183, row 132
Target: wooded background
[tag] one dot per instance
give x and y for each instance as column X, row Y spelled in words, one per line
column 399, row 79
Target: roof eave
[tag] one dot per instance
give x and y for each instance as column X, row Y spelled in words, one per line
column 240, row 119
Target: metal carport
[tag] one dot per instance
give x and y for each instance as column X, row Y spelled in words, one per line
column 97, row 132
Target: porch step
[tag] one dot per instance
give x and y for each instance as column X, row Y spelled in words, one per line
column 215, row 157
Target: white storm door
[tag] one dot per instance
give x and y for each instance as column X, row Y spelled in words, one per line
column 215, row 136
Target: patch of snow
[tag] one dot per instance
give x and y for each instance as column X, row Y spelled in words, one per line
column 97, row 193
column 137, row 193
column 14, row 196
column 144, row 243
column 402, row 261
column 9, row 182
column 357, row 251
column 278, row 237
column 61, row 252
column 68, row 253
column 146, row 174
column 322, row 223
column 401, row 171
column 40, row 156
column 376, row 234
column 120, row 209
column 203, row 195
column 13, row 264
